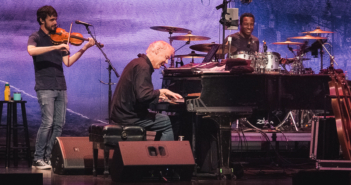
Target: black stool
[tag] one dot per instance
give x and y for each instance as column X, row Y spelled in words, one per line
column 106, row 137
column 12, row 127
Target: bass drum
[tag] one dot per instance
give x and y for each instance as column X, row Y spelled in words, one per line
column 283, row 120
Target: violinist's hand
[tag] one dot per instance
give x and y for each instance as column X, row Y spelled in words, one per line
column 63, row 47
column 90, row 43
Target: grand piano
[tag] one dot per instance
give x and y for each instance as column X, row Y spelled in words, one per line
column 225, row 97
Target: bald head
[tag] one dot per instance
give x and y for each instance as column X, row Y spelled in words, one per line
column 159, row 52
column 157, row 46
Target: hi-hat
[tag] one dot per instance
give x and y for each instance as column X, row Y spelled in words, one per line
column 291, row 60
column 318, row 30
column 308, row 37
column 189, row 37
column 190, row 55
column 288, row 42
column 170, row 29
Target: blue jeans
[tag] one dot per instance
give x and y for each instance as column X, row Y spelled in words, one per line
column 53, row 117
column 159, row 123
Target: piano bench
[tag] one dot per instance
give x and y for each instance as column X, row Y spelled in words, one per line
column 106, row 137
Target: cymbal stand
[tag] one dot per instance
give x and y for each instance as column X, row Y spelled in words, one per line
column 109, row 68
column 170, row 42
column 332, row 61
column 181, row 62
column 172, row 58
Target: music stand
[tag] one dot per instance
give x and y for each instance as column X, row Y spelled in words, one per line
column 211, row 53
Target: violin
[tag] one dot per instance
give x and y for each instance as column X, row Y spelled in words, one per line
column 61, row 36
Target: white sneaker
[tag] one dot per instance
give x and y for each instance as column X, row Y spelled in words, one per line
column 40, row 164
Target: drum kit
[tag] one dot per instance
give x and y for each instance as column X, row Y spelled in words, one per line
column 262, row 62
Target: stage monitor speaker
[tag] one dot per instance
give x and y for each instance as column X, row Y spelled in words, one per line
column 74, row 155
column 152, row 160
column 21, row 178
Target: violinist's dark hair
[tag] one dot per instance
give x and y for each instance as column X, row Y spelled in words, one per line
column 246, row 15
column 44, row 12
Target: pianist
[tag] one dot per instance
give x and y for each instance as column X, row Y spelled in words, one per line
column 244, row 40
column 135, row 91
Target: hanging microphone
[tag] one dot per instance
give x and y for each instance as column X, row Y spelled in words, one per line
column 84, row 23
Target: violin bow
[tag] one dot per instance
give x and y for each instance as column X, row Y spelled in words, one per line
column 69, row 36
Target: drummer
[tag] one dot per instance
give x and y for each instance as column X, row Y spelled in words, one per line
column 244, row 40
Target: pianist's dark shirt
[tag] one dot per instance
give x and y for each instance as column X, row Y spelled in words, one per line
column 241, row 43
column 134, row 92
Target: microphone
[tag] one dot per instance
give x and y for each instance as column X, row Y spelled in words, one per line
column 84, row 23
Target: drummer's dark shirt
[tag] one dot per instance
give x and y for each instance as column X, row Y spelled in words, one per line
column 134, row 92
column 48, row 66
column 241, row 43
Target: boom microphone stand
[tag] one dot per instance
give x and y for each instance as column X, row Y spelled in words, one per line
column 109, row 68
column 224, row 21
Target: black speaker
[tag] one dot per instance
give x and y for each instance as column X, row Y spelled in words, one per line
column 308, row 177
column 74, row 155
column 152, row 160
column 21, row 178
column 328, row 142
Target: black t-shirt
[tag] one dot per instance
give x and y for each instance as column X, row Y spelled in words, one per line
column 134, row 92
column 48, row 66
column 241, row 43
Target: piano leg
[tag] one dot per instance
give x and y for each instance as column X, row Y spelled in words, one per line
column 224, row 147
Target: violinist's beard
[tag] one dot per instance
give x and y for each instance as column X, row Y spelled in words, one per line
column 51, row 29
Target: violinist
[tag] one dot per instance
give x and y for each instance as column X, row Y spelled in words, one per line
column 50, row 84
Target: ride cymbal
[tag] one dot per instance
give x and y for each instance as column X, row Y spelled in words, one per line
column 189, row 37
column 288, row 42
column 170, row 29
column 317, row 30
column 308, row 37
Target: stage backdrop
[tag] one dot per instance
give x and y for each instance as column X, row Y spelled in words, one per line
column 123, row 26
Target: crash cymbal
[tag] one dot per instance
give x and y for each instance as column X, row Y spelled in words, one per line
column 318, row 30
column 288, row 42
column 170, row 29
column 190, row 55
column 308, row 37
column 189, row 37
column 207, row 47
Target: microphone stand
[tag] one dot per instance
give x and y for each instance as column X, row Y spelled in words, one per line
column 110, row 67
column 224, row 21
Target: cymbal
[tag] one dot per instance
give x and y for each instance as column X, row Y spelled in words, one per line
column 207, row 47
column 190, row 55
column 308, row 37
column 300, row 59
column 170, row 29
column 189, row 37
column 290, row 60
column 318, row 30
column 288, row 42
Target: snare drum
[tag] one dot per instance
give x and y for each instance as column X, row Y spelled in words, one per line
column 243, row 55
column 246, row 56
